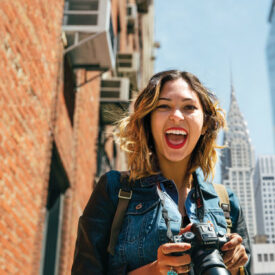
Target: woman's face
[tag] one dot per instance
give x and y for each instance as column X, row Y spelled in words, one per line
column 177, row 122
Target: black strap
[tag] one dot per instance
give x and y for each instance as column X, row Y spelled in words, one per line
column 165, row 215
column 198, row 198
column 124, row 197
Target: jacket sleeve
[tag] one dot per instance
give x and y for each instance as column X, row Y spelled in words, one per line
column 239, row 226
column 94, row 227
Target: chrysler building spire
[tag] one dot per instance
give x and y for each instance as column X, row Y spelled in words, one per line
column 238, row 161
column 237, row 126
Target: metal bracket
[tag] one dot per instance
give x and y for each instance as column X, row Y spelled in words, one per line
column 83, row 41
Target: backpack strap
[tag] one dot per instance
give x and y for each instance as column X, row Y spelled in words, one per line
column 124, row 196
column 224, row 203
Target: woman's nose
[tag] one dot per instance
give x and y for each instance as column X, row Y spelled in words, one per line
column 176, row 115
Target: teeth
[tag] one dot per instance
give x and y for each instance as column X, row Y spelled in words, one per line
column 176, row 132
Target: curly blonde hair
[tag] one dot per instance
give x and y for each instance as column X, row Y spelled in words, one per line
column 135, row 136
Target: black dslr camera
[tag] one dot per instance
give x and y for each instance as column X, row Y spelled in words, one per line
column 205, row 249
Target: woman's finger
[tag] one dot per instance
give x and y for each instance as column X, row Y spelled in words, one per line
column 185, row 229
column 235, row 239
column 169, row 248
column 227, row 257
column 184, row 268
column 239, row 258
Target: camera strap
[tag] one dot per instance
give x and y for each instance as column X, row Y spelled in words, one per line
column 198, row 198
column 165, row 215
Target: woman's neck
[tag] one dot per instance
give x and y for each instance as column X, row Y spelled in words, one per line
column 176, row 172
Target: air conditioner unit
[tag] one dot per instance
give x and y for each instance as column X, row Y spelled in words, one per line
column 128, row 66
column 127, row 63
column 114, row 99
column 88, row 25
column 131, row 17
column 115, row 89
column 143, row 5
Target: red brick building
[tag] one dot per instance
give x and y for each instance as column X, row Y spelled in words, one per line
column 55, row 88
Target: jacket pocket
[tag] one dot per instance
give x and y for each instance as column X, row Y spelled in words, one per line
column 139, row 219
column 216, row 216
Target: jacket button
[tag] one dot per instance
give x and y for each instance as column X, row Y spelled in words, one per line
column 139, row 206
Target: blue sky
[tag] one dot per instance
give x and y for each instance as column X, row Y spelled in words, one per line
column 207, row 38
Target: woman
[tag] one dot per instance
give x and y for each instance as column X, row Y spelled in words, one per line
column 170, row 139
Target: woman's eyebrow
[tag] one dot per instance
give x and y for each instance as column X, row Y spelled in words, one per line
column 169, row 99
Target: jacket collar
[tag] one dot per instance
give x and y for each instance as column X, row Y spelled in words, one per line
column 150, row 180
column 206, row 187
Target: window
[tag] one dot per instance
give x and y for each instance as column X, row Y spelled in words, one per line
column 259, row 257
column 58, row 183
column 265, row 258
column 271, row 257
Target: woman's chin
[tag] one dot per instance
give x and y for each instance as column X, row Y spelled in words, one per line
column 176, row 157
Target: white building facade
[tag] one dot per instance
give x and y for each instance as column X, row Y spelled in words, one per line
column 238, row 163
column 263, row 259
column 264, row 186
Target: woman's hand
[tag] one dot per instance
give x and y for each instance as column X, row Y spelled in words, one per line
column 166, row 262
column 235, row 255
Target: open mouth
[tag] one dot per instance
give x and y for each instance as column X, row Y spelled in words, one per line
column 175, row 137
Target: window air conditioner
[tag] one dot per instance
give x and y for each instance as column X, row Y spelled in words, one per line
column 143, row 5
column 88, row 26
column 131, row 17
column 114, row 99
column 115, row 89
column 128, row 66
column 127, row 63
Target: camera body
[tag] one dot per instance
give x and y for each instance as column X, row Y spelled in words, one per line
column 201, row 236
column 205, row 249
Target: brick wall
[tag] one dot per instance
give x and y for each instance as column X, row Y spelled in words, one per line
column 42, row 101
column 77, row 148
column 30, row 54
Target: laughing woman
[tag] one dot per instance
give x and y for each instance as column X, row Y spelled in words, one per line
column 170, row 140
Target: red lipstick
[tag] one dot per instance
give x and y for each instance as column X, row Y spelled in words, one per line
column 183, row 137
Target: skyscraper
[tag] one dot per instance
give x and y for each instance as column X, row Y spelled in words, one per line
column 238, row 162
column 264, row 186
column 270, row 51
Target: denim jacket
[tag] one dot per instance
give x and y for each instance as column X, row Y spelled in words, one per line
column 144, row 228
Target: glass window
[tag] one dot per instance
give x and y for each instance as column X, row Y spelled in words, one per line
column 259, row 257
column 271, row 257
column 265, row 258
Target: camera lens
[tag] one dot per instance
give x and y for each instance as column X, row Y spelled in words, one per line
column 208, row 261
column 216, row 271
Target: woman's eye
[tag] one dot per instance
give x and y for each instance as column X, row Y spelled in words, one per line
column 163, row 106
column 190, row 107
